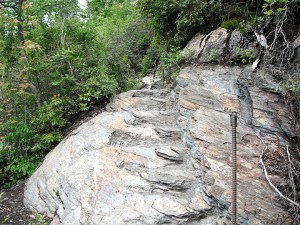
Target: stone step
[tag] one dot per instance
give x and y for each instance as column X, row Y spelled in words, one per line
column 131, row 132
column 147, row 100
column 169, row 179
column 155, row 117
column 164, row 135
column 159, row 156
column 168, row 133
column 149, row 103
column 163, row 168
column 155, row 93
column 126, row 139
column 169, row 153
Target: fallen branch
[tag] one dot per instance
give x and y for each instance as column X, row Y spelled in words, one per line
column 273, row 186
column 291, row 173
column 267, row 176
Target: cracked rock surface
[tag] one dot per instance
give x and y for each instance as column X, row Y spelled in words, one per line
column 163, row 157
column 125, row 166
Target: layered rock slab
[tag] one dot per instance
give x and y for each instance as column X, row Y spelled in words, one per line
column 126, row 166
column 206, row 97
column 164, row 156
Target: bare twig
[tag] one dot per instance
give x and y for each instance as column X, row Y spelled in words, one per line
column 273, row 186
column 291, row 173
column 268, row 178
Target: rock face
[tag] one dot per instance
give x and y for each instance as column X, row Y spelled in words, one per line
column 205, row 95
column 220, row 45
column 296, row 47
column 125, row 166
column 164, row 156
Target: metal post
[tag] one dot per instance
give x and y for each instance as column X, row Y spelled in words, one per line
column 233, row 119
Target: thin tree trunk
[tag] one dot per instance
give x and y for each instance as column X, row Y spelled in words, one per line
column 20, row 33
column 20, row 21
column 63, row 35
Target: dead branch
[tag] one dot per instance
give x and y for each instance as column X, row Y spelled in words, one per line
column 291, row 173
column 273, row 186
column 268, row 178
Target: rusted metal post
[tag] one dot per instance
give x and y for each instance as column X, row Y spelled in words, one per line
column 233, row 120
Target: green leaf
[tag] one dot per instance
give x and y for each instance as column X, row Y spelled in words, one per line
column 280, row 10
column 264, row 7
column 269, row 12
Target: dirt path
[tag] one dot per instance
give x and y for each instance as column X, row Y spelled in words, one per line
column 12, row 210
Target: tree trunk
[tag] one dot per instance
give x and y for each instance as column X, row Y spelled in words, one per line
column 20, row 33
column 20, row 21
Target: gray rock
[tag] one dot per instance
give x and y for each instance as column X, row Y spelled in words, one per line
column 238, row 44
column 215, row 45
column 164, row 156
column 221, row 45
column 168, row 153
column 195, row 46
column 150, row 81
column 296, row 43
column 296, row 47
column 126, row 166
column 207, row 129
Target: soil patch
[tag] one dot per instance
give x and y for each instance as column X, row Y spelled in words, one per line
column 13, row 211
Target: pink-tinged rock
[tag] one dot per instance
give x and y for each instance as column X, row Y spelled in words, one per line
column 210, row 129
column 164, row 156
column 215, row 46
column 195, row 46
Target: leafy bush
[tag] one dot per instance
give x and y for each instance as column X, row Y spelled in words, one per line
column 245, row 55
column 38, row 219
column 231, row 24
column 170, row 63
column 99, row 85
column 122, row 41
column 293, row 85
column 53, row 114
column 149, row 62
column 179, row 20
column 15, row 152
column 214, row 55
column 44, row 142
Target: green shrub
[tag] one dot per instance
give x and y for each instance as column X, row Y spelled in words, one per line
column 231, row 24
column 170, row 63
column 245, row 55
column 293, row 85
column 21, row 167
column 38, row 219
column 177, row 21
column 53, row 114
column 99, row 85
column 44, row 142
column 16, row 159
column 150, row 61
column 257, row 21
column 214, row 55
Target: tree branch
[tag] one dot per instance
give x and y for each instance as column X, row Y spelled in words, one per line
column 273, row 186
column 268, row 178
column 7, row 5
column 291, row 173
